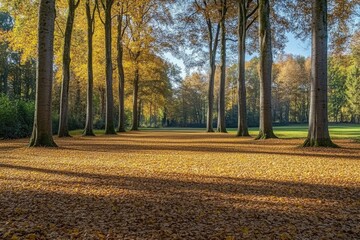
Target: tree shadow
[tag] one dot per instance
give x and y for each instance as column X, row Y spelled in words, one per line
column 190, row 207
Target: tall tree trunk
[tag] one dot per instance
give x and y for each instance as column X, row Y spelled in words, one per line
column 266, row 130
column 221, row 127
column 242, row 116
column 135, row 113
column 213, row 44
column 64, row 99
column 109, row 119
column 42, row 130
column 102, row 102
column 88, row 131
column 121, row 75
column 318, row 135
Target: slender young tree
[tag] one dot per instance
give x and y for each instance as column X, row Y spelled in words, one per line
column 121, row 27
column 318, row 135
column 213, row 42
column 64, row 99
column 221, row 126
column 109, row 118
column 42, row 130
column 90, row 17
column 246, row 17
column 266, row 130
column 135, row 112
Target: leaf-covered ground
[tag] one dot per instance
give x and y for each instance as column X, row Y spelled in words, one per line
column 179, row 185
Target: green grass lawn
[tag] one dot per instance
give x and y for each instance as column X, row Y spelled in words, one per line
column 351, row 131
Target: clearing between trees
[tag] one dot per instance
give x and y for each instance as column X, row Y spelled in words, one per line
column 179, row 185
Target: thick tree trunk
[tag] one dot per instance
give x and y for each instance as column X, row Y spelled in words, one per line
column 88, row 131
column 266, row 130
column 242, row 116
column 135, row 113
column 42, row 130
column 221, row 126
column 121, row 75
column 64, row 97
column 109, row 119
column 318, row 135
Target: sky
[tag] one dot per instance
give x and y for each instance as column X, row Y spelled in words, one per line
column 294, row 46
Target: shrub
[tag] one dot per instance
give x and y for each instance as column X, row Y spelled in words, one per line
column 16, row 118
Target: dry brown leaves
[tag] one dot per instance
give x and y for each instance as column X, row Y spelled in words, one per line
column 172, row 185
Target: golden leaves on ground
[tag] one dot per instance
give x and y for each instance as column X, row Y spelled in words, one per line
column 176, row 185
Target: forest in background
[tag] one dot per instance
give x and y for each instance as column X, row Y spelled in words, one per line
column 164, row 98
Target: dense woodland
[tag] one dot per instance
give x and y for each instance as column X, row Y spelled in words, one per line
column 111, row 72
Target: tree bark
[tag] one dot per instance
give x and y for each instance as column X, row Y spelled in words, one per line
column 135, row 113
column 213, row 44
column 109, row 119
column 88, row 131
column 42, row 129
column 242, row 115
column 318, row 135
column 266, row 130
column 221, row 126
column 121, row 75
column 64, row 99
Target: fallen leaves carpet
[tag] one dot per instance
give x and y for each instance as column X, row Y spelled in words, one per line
column 179, row 185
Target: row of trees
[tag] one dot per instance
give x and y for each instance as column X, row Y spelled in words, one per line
column 143, row 33
column 290, row 92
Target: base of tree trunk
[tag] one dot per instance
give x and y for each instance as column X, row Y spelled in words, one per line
column 120, row 130
column 110, row 132
column 44, row 141
column 134, row 129
column 325, row 142
column 88, row 133
column 210, row 130
column 242, row 134
column 62, row 135
column 265, row 135
column 222, row 131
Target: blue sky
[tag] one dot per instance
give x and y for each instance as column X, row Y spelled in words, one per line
column 294, row 46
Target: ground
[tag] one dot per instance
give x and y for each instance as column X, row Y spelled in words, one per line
column 179, row 185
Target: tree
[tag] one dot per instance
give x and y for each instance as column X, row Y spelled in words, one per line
column 207, row 10
column 121, row 27
column 266, row 130
column 337, row 89
column 42, row 130
column 90, row 17
column 109, row 119
column 246, row 11
column 318, row 135
column 221, row 126
column 64, row 100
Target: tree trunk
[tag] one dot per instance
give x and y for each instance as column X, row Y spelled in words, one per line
column 42, row 130
column 90, row 85
column 135, row 117
column 318, row 135
column 221, row 126
column 109, row 119
column 213, row 44
column 121, row 75
column 102, row 102
column 242, row 117
column 266, row 130
column 64, row 99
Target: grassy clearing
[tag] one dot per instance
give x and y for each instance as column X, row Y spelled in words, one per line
column 179, row 185
column 337, row 131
